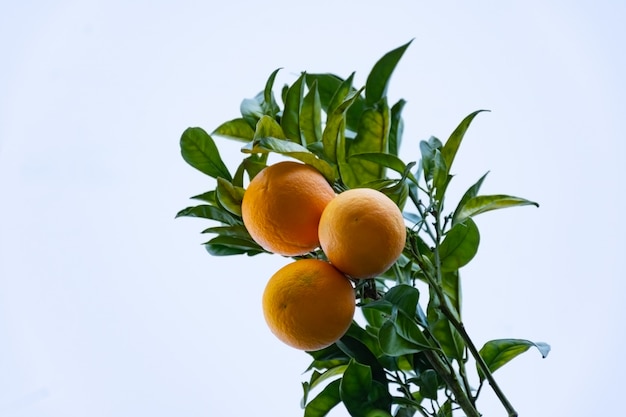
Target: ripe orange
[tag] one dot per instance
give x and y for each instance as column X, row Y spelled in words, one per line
column 309, row 304
column 282, row 206
column 362, row 232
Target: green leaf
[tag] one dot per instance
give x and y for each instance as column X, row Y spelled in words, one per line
column 396, row 127
column 445, row 410
column 318, row 378
column 271, row 107
column 447, row 336
column 428, row 149
column 401, row 335
column 290, row 120
column 353, row 343
column 293, row 150
column 454, row 141
column 254, row 164
column 360, row 394
column 311, row 116
column 355, row 386
column 483, row 203
column 199, row 150
column 403, row 411
column 429, row 384
column 238, row 230
column 372, row 137
column 393, row 344
column 440, row 175
column 229, row 245
column 251, row 110
column 469, row 194
column 375, row 317
column 210, row 212
column 325, row 401
column 378, row 78
column 451, row 285
column 328, row 84
column 335, row 120
column 387, row 160
column 497, row 353
column 229, row 196
column 405, row 297
column 208, row 197
column 268, row 128
column 459, row 246
column 238, row 129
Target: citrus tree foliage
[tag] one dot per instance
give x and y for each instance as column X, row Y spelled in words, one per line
column 412, row 353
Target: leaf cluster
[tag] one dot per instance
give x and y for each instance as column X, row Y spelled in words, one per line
column 409, row 356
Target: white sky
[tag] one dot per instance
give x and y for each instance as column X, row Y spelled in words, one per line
column 110, row 307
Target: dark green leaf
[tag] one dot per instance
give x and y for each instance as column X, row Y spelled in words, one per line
column 378, row 78
column 360, row 394
column 268, row 95
column 393, row 344
column 429, row 384
column 445, row 410
column 325, row 401
column 293, row 150
column 401, row 335
column 229, row 196
column 396, row 128
column 208, row 197
column 363, row 346
column 238, row 129
column 228, row 245
column 483, row 203
column 353, row 344
column 454, row 141
column 328, row 357
column 355, row 386
column 405, row 412
column 405, row 297
column 447, row 336
column 311, row 116
column 290, row 120
column 407, row 327
column 459, row 246
column 375, row 317
column 239, row 231
column 497, row 353
column 199, row 150
column 210, row 212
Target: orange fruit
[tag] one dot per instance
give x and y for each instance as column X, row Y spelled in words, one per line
column 362, row 232
column 282, row 206
column 308, row 304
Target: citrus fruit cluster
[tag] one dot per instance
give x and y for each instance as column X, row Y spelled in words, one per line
column 290, row 209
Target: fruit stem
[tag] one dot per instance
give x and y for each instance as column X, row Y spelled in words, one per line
column 461, row 397
column 458, row 325
column 455, row 319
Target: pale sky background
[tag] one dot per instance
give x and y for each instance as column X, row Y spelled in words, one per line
column 110, row 307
